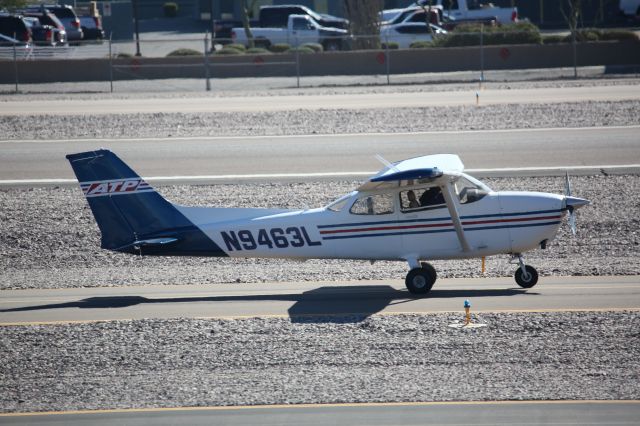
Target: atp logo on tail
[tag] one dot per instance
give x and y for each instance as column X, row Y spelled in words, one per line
column 115, row 187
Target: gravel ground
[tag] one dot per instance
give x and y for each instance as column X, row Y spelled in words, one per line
column 49, row 239
column 184, row 362
column 330, row 121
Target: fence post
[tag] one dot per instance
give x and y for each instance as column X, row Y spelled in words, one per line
column 575, row 55
column 206, row 61
column 387, row 57
column 15, row 62
column 481, row 55
column 297, row 62
column 110, row 63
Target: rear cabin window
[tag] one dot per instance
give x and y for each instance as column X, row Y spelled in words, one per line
column 421, row 199
column 373, row 205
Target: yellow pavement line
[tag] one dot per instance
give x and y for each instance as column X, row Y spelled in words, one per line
column 336, row 405
column 241, row 317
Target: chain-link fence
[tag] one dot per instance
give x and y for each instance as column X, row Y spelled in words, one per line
column 192, row 63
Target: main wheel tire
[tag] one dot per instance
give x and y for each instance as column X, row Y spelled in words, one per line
column 419, row 280
column 529, row 280
column 431, row 269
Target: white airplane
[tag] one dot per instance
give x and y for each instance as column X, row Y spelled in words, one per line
column 415, row 210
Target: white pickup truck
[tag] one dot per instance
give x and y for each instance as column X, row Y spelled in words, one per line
column 300, row 29
column 475, row 9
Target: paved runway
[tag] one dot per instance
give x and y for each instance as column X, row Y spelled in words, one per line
column 314, row 102
column 330, row 298
column 341, row 154
column 459, row 414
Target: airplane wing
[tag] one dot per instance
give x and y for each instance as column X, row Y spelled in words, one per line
column 425, row 167
column 434, row 168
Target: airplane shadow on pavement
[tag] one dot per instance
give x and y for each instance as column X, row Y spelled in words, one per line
column 348, row 304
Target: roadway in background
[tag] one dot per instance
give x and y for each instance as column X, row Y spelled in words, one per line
column 315, row 101
column 340, row 155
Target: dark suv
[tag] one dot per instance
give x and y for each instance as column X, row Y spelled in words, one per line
column 66, row 15
column 14, row 26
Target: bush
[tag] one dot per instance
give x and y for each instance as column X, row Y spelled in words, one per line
column 237, row 46
column 122, row 55
column 279, row 48
column 300, row 49
column 553, row 39
column 316, row 47
column 469, row 35
column 619, row 35
column 170, row 9
column 185, row 52
column 229, row 51
column 258, row 51
column 421, row 44
column 392, row 45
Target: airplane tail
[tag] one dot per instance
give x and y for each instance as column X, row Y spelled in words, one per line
column 131, row 215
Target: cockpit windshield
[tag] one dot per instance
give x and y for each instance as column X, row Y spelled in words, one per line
column 339, row 204
column 470, row 190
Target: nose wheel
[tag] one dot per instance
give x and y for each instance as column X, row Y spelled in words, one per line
column 526, row 276
column 420, row 280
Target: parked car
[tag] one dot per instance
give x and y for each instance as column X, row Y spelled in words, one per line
column 475, row 9
column 277, row 16
column 9, row 47
column 48, row 18
column 67, row 17
column 412, row 14
column 300, row 29
column 42, row 35
column 449, row 22
column 407, row 33
column 91, row 28
column 13, row 26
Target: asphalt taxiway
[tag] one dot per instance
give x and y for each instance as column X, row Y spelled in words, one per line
column 441, row 413
column 304, row 299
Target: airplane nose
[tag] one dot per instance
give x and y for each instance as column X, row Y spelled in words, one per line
column 575, row 202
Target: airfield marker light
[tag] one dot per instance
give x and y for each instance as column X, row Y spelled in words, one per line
column 467, row 311
column 477, row 99
column 483, row 264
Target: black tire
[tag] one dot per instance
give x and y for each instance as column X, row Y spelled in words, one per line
column 420, row 280
column 531, row 280
column 431, row 270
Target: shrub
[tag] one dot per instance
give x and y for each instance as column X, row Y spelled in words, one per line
column 420, row 44
column 619, row 35
column 316, row 47
column 229, row 51
column 279, row 48
column 300, row 49
column 258, row 51
column 469, row 35
column 122, row 55
column 170, row 9
column 392, row 45
column 237, row 46
column 552, row 39
column 185, row 52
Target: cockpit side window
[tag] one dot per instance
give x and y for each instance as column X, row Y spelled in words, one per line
column 468, row 192
column 373, row 205
column 421, row 199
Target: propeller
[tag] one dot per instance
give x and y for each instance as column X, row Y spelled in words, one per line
column 572, row 203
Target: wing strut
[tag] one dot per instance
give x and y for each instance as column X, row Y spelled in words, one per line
column 449, row 196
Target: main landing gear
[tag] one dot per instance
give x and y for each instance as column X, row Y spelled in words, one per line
column 420, row 278
column 526, row 276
